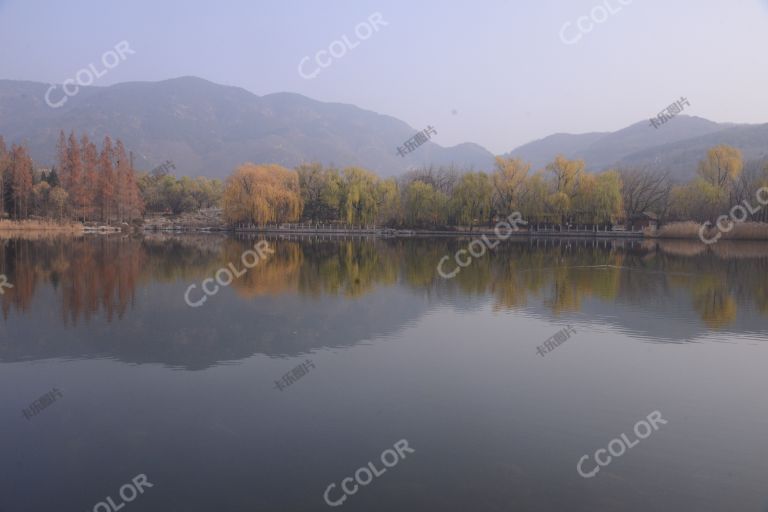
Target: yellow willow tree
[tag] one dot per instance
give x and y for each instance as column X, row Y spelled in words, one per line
column 508, row 178
column 567, row 174
column 722, row 167
column 258, row 194
column 472, row 198
column 359, row 203
column 717, row 177
column 598, row 198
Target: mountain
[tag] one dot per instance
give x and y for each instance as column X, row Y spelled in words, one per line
column 208, row 129
column 677, row 146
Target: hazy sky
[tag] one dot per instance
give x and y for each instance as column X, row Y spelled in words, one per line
column 493, row 72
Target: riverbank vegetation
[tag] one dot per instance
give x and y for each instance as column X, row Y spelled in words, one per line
column 563, row 193
column 91, row 185
column 9, row 226
column 88, row 184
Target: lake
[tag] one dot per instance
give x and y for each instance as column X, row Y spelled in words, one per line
column 291, row 387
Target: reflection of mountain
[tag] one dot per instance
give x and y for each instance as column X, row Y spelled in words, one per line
column 123, row 297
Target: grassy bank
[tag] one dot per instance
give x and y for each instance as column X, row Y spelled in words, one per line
column 11, row 226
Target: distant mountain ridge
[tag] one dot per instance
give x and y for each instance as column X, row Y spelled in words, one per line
column 207, row 129
column 676, row 146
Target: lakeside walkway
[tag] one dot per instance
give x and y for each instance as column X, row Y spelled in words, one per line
column 372, row 230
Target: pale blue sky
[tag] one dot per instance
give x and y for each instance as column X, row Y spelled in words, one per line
column 501, row 65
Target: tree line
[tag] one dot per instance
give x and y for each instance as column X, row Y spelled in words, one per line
column 86, row 184
column 562, row 193
column 163, row 193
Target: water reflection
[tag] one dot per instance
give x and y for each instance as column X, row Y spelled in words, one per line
column 94, row 281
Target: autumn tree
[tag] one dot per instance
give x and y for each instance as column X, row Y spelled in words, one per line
column 533, row 196
column 472, row 198
column 597, row 198
column 258, row 194
column 41, row 198
column 311, row 182
column 90, row 160
column 566, row 175
column 105, row 192
column 423, row 205
column 508, row 178
column 74, row 181
column 722, row 167
column 21, row 181
column 59, row 198
column 713, row 190
column 127, row 196
column 321, row 191
column 359, row 196
column 387, row 202
column 5, row 164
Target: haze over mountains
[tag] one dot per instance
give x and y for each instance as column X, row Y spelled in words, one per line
column 208, row 129
column 676, row 146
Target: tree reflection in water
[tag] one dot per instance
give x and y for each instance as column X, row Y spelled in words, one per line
column 100, row 275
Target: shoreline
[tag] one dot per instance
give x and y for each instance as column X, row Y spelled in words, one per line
column 35, row 226
column 41, row 228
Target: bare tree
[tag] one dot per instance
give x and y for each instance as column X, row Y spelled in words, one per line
column 441, row 179
column 643, row 190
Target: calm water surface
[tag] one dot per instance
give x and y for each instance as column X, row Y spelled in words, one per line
column 195, row 398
